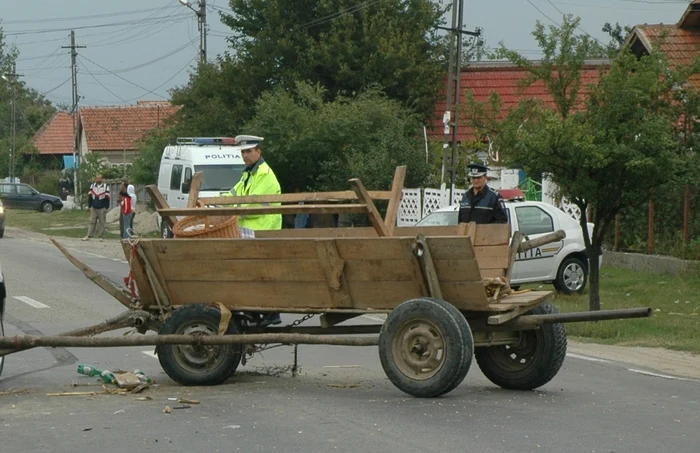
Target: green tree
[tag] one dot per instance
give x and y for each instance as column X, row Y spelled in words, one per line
column 32, row 110
column 345, row 46
column 316, row 145
column 606, row 151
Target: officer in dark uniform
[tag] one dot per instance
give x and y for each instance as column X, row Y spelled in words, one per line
column 481, row 204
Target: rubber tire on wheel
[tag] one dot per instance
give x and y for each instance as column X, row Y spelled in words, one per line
column 456, row 356
column 549, row 353
column 46, row 207
column 165, row 231
column 170, row 356
column 559, row 283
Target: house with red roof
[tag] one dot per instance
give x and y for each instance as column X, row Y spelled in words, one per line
column 54, row 141
column 113, row 132
column 481, row 79
column 679, row 41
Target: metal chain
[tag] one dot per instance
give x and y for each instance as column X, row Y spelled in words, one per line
column 256, row 349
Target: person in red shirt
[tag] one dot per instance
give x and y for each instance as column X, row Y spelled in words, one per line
column 127, row 196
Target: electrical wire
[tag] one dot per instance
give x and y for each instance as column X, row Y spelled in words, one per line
column 92, row 16
column 57, row 86
column 147, row 63
column 85, row 27
column 101, row 84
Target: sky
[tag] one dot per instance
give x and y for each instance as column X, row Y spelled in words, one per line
column 138, row 50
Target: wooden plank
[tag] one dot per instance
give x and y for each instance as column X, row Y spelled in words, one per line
column 526, row 298
column 514, row 247
column 416, row 271
column 254, row 294
column 333, row 266
column 367, row 232
column 262, row 210
column 160, row 203
column 204, row 270
column 95, row 277
column 492, row 234
column 421, row 249
column 492, row 273
column 310, row 197
column 465, row 295
column 493, row 257
column 383, row 295
column 442, row 248
column 374, row 217
column 458, row 270
column 195, row 184
column 185, row 250
column 155, row 274
column 504, row 317
column 138, row 271
column 395, row 200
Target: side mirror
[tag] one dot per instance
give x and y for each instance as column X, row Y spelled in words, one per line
column 185, row 187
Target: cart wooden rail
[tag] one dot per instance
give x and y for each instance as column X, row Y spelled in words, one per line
column 445, row 292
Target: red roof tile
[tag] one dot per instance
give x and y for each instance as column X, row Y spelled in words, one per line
column 120, row 128
column 481, row 79
column 680, row 42
column 56, row 135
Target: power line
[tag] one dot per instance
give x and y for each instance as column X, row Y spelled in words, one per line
column 127, row 81
column 148, row 63
column 92, row 16
column 85, row 27
column 57, row 86
column 102, row 85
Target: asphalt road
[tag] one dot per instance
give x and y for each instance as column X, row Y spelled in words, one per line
column 340, row 401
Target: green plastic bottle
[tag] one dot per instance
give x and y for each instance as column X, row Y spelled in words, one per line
column 88, row 370
column 108, row 377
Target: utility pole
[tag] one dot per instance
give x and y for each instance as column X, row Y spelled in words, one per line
column 201, row 25
column 13, row 119
column 74, row 110
column 454, row 77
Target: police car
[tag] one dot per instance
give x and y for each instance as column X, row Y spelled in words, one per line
column 563, row 263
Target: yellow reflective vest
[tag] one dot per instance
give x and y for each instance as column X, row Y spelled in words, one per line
column 261, row 180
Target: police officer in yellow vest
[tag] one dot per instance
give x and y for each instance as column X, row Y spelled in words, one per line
column 257, row 179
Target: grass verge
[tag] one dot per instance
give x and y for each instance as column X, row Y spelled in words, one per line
column 675, row 301
column 72, row 224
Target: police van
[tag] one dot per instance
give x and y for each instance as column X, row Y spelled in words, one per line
column 218, row 158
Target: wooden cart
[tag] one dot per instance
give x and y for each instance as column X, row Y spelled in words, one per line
column 445, row 292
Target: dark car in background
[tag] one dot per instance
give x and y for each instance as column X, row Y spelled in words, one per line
column 3, row 294
column 2, row 220
column 23, row 196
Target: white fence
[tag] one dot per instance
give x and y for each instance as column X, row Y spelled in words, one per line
column 418, row 203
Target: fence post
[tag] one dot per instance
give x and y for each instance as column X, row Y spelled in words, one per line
column 616, row 247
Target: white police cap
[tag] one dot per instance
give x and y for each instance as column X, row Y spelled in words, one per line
column 248, row 141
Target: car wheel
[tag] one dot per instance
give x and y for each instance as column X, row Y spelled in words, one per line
column 165, row 231
column 571, row 276
column 46, row 206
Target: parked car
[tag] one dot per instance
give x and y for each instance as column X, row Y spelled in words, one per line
column 2, row 220
column 3, row 295
column 24, row 196
column 563, row 263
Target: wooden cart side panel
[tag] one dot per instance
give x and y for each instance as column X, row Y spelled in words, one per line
column 350, row 273
column 486, row 235
column 138, row 271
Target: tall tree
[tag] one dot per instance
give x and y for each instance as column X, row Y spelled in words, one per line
column 32, row 110
column 607, row 150
column 345, row 46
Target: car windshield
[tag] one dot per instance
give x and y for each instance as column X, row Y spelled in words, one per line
column 219, row 177
column 439, row 219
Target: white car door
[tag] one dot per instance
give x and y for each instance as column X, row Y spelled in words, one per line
column 534, row 221
column 177, row 199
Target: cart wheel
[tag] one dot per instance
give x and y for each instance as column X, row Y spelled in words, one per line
column 426, row 347
column 529, row 364
column 198, row 365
